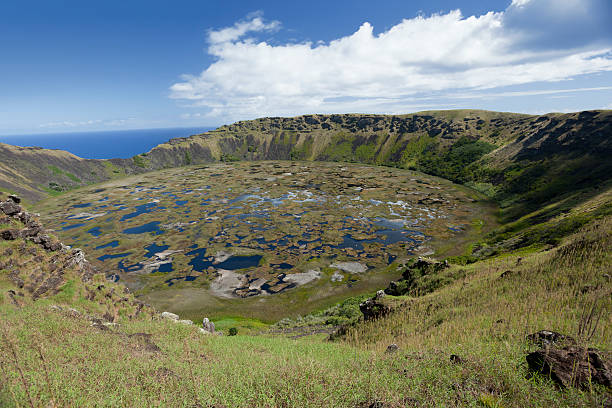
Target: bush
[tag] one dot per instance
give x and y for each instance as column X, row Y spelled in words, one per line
column 233, row 331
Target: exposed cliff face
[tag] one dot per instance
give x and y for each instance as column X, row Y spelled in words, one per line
column 445, row 143
column 39, row 266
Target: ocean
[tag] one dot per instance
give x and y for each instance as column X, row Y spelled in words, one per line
column 104, row 145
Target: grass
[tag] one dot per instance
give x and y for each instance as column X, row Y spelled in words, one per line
column 546, row 267
column 51, row 357
column 59, row 172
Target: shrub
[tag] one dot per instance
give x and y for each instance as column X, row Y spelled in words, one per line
column 233, row 331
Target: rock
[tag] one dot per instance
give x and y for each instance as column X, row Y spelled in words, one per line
column 337, row 276
column 506, row 274
column 572, row 366
column 380, row 294
column 14, row 198
column 31, row 232
column 185, row 322
column 545, row 338
column 207, row 325
column 168, row 315
column 392, row 348
column 373, row 309
column 411, row 275
column 455, row 359
column 9, row 235
column 204, row 331
column 10, row 208
column 46, row 242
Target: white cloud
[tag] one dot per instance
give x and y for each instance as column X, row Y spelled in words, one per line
column 386, row 72
column 520, row 3
column 255, row 24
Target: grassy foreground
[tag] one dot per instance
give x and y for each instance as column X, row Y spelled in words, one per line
column 52, row 357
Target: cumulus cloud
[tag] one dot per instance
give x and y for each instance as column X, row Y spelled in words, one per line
column 396, row 69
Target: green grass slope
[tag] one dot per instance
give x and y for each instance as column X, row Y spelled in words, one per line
column 82, row 345
column 546, row 267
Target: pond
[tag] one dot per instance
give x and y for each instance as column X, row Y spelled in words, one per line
column 244, row 230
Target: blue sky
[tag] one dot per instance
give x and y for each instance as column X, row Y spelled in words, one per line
column 85, row 65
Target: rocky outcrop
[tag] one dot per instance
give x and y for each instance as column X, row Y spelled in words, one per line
column 31, row 229
column 375, row 307
column 572, row 366
column 40, row 266
column 413, row 273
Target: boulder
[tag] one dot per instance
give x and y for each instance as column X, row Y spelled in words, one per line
column 14, row 198
column 572, row 366
column 31, row 231
column 170, row 316
column 9, row 234
column 10, row 208
column 207, row 325
column 185, row 322
column 374, row 308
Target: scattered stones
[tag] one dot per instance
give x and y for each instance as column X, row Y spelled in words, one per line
column 572, row 366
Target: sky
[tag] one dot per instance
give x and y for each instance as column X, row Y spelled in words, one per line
column 68, row 66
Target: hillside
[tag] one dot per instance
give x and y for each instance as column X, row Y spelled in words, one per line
column 70, row 338
column 407, row 141
column 459, row 331
column 535, row 168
